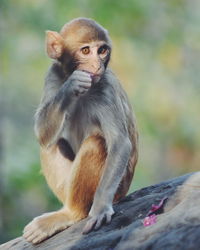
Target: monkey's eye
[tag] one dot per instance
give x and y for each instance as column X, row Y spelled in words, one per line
column 103, row 50
column 85, row 50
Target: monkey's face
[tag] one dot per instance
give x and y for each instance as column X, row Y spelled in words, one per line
column 81, row 44
column 93, row 57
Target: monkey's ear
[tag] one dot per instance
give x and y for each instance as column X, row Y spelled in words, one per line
column 54, row 44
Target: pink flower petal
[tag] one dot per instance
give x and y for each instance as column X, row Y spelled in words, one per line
column 150, row 220
column 151, row 217
column 155, row 208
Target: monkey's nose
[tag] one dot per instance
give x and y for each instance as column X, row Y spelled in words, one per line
column 96, row 68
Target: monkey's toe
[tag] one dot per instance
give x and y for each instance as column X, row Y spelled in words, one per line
column 34, row 232
column 45, row 226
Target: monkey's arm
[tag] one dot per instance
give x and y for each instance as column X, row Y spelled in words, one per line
column 119, row 149
column 57, row 103
column 49, row 117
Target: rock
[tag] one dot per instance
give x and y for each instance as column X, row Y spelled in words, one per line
column 178, row 227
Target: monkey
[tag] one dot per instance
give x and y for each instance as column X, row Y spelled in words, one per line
column 86, row 130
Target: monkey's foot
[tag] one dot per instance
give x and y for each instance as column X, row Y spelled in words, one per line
column 46, row 225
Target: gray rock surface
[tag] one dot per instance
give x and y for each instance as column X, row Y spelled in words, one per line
column 177, row 227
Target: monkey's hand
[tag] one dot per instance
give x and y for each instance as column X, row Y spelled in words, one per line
column 79, row 82
column 98, row 217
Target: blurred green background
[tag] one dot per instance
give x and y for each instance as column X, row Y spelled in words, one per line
column 156, row 55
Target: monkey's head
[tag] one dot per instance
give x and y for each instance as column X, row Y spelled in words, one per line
column 81, row 44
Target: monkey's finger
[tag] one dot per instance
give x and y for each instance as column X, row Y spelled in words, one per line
column 81, row 74
column 89, row 226
column 108, row 218
column 100, row 221
column 83, row 79
column 77, row 80
column 85, row 85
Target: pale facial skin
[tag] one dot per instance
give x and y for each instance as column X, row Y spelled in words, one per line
column 91, row 57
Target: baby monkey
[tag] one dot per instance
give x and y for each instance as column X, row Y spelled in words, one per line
column 86, row 130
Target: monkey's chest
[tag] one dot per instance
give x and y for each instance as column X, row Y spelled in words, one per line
column 77, row 128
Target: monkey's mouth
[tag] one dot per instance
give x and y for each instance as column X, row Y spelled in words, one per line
column 95, row 77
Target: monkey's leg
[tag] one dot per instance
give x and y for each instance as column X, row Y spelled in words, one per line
column 56, row 169
column 79, row 188
column 86, row 172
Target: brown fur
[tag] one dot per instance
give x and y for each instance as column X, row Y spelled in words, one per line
column 56, row 169
column 82, row 174
column 86, row 173
column 87, row 30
